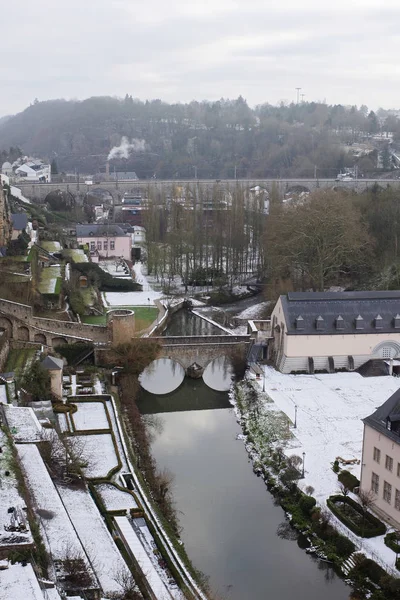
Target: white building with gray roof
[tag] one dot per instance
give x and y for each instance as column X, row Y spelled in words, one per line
column 328, row 331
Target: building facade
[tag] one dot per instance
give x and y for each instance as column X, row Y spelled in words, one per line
column 105, row 241
column 328, row 331
column 380, row 471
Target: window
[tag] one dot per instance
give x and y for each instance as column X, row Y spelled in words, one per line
column 105, row 245
column 98, row 245
column 112, row 245
column 387, row 492
column 398, row 469
column 375, row 483
column 397, row 500
column 92, row 246
column 389, row 463
column 377, row 455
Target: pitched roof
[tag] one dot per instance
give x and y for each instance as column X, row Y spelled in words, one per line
column 316, row 313
column 389, row 410
column 103, row 229
column 51, row 362
column 19, row 221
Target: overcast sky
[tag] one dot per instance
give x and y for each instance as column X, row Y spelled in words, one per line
column 346, row 51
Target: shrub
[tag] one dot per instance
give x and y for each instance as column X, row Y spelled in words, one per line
column 392, row 541
column 349, row 480
column 307, row 504
column 336, row 466
column 104, row 281
column 372, row 526
column 344, row 546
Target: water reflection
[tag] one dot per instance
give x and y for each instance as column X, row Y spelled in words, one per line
column 218, row 374
column 186, row 323
column 162, row 376
column 228, row 517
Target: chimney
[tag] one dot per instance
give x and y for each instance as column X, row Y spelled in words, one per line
column 107, row 171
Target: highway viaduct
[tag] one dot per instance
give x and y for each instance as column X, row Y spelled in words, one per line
column 117, row 189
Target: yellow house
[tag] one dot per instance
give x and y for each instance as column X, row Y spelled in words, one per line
column 55, row 368
column 380, row 471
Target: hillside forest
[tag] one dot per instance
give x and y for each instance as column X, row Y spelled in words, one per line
column 208, row 140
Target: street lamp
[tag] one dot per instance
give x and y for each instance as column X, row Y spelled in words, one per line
column 295, row 417
column 263, row 380
column 304, row 456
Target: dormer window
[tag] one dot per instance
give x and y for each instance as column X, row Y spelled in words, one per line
column 359, row 322
column 319, row 323
column 397, row 321
column 339, row 323
column 378, row 322
column 299, row 323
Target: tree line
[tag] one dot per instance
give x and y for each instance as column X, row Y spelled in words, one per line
column 308, row 241
column 209, row 140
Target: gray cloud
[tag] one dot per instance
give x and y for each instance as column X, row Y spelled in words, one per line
column 345, row 51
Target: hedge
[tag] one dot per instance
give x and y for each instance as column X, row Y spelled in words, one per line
column 392, row 541
column 373, row 526
column 349, row 480
column 107, row 283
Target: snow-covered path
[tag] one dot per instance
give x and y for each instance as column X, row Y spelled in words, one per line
column 144, row 298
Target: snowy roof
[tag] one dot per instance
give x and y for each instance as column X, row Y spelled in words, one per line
column 99, row 230
column 52, row 363
column 20, row 583
column 388, row 411
column 341, row 312
column 19, row 221
column 6, row 165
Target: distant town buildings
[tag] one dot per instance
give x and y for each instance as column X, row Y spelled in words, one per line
column 27, row 169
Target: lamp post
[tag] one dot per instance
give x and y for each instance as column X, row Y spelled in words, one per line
column 263, row 380
column 295, row 417
column 304, row 456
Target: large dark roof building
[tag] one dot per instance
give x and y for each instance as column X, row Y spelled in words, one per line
column 334, row 330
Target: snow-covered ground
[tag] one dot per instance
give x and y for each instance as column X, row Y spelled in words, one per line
column 103, row 554
column 98, row 450
column 23, row 423
column 144, row 298
column 59, row 535
column 115, row 499
column 153, row 578
column 330, row 409
column 9, row 497
column 253, row 312
column 114, row 268
column 19, row 582
column 3, row 394
column 90, row 415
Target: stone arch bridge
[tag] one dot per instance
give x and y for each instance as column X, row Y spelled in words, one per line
column 194, row 353
column 21, row 325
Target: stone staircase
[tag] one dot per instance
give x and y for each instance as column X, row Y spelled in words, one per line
column 349, row 564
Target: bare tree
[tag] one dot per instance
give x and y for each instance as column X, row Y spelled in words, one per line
column 344, row 491
column 367, row 500
column 129, row 589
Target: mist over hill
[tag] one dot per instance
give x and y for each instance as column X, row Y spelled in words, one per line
column 208, row 139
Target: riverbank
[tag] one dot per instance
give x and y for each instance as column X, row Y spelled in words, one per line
column 272, row 443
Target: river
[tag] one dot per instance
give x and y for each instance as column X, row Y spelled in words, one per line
column 229, row 519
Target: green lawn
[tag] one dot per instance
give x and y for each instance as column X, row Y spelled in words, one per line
column 145, row 315
column 19, row 359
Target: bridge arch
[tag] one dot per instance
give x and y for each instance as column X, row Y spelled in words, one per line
column 6, row 325
column 59, row 341
column 23, row 334
column 40, row 338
